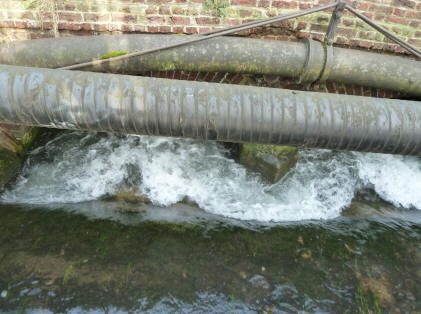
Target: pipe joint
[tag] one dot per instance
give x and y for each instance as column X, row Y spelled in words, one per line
column 318, row 62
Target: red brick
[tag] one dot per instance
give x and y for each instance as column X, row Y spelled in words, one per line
column 159, row 1
column 95, row 17
column 365, row 44
column 244, row 2
column 399, row 12
column 318, row 37
column 404, row 3
column 165, row 29
column 367, row 35
column 414, row 15
column 230, row 22
column 164, row 10
column 69, row 26
column 192, row 11
column 379, row 17
column 125, row 10
column 348, row 22
column 139, row 28
column 415, row 24
column 126, row 27
column 349, row 90
column 112, row 27
column 303, row 34
column 69, row 7
column 263, row 3
column 151, row 10
column 369, row 15
column 271, row 13
column 207, row 20
column 362, row 6
column 86, row 26
column 46, row 15
column 178, row 11
column 304, row 6
column 397, row 20
column 191, row 30
column 20, row 24
column 322, row 19
column 26, row 15
column 318, row 28
column 285, row 4
column 245, row 13
column 39, row 35
column 100, row 27
column 416, row 42
column 380, row 9
column 153, row 29
column 289, row 24
column 350, row 33
column 204, row 30
column 358, row 90
column 156, row 19
column 180, row 20
column 341, row 40
column 47, row 25
column 178, row 29
column 70, row 16
column 301, row 25
column 126, row 18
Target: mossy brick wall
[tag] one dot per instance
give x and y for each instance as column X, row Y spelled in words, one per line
column 96, row 17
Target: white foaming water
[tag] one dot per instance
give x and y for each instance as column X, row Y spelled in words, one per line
column 77, row 167
column 396, row 179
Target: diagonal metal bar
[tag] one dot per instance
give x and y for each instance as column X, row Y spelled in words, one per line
column 226, row 31
column 334, row 20
column 386, row 33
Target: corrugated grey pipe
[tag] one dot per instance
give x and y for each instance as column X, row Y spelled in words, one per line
column 139, row 105
column 306, row 61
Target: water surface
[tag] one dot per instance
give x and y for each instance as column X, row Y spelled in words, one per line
column 340, row 233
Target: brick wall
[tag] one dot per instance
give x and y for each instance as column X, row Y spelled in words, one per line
column 96, row 17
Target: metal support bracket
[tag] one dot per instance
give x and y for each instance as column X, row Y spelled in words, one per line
column 334, row 20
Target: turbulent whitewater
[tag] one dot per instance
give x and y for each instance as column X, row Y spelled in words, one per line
column 78, row 167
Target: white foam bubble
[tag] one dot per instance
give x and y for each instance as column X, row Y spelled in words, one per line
column 396, row 179
column 78, row 167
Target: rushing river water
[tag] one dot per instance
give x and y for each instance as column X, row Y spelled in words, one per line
column 340, row 233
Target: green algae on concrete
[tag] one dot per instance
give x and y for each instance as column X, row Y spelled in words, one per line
column 272, row 161
column 113, row 54
column 12, row 152
column 9, row 165
column 333, row 266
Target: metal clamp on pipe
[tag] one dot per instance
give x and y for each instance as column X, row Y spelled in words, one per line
column 318, row 62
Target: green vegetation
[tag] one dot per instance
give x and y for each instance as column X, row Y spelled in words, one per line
column 67, row 274
column 9, row 165
column 217, row 7
column 13, row 152
column 272, row 161
column 155, row 259
column 113, row 54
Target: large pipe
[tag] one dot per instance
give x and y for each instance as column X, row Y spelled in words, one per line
column 306, row 61
column 139, row 105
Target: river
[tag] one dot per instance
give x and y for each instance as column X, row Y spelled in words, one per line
column 340, row 233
